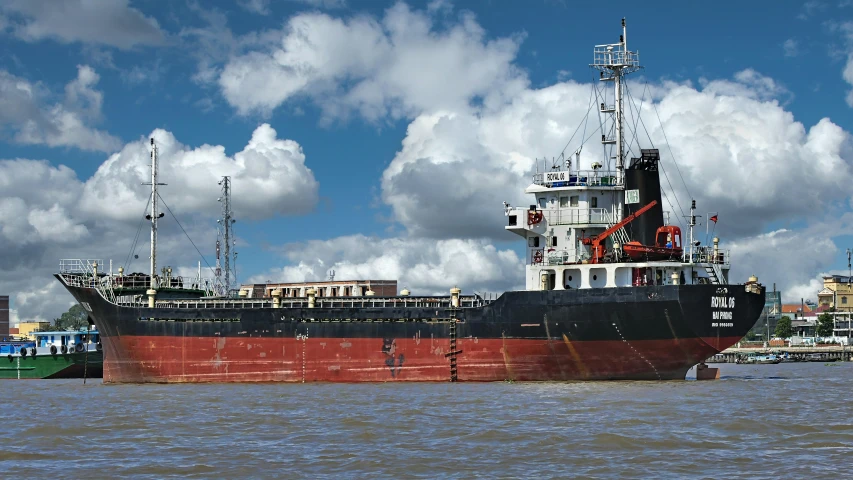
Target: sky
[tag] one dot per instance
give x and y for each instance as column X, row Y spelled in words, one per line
column 379, row 139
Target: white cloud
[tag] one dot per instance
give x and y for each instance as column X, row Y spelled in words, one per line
column 37, row 203
column 323, row 3
column 261, row 7
column 810, row 8
column 49, row 214
column 791, row 47
column 26, row 112
column 214, row 43
column 421, row 265
column 139, row 74
column 847, row 74
column 803, row 291
column 39, row 299
column 273, row 170
column 398, row 66
column 747, row 83
column 845, row 29
column 794, row 276
column 80, row 95
column 108, row 22
column 40, row 221
column 739, row 151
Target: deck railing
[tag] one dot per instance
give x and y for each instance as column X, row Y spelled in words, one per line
column 465, row 301
column 578, row 178
column 705, row 254
column 576, row 216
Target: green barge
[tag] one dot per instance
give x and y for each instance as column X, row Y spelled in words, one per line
column 58, row 354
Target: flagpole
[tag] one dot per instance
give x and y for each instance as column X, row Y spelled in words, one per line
column 712, row 217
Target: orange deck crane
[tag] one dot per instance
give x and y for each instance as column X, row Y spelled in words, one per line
column 596, row 241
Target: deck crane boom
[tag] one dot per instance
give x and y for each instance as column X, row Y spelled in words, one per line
column 596, row 241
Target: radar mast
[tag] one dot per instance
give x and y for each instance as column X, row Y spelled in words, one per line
column 614, row 61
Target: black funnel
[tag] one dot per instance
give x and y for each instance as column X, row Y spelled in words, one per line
column 642, row 175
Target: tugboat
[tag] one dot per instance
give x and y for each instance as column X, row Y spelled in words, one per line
column 612, row 292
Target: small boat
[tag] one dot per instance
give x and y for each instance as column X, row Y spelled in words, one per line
column 718, row 358
column 667, row 246
column 815, row 357
column 57, row 354
column 760, row 359
column 788, row 358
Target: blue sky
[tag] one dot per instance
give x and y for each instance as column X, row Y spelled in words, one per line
column 402, row 120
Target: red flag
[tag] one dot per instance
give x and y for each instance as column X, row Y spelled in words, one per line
column 714, row 218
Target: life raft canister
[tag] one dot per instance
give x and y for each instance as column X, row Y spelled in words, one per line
column 534, row 217
column 537, row 256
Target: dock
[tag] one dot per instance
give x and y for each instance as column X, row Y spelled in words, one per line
column 801, row 353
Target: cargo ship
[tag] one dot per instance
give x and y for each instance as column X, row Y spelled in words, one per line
column 611, row 292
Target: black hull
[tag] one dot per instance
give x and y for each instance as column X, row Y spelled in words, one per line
column 653, row 332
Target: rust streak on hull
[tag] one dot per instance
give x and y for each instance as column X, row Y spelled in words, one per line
column 188, row 359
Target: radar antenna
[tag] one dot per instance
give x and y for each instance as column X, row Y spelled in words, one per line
column 614, row 61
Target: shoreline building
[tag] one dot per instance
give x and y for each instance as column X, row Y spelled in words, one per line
column 837, row 292
column 27, row 329
column 4, row 316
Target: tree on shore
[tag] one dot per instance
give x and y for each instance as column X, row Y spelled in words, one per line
column 73, row 319
column 784, row 328
column 825, row 325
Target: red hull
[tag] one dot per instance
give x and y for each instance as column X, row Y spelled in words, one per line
column 214, row 359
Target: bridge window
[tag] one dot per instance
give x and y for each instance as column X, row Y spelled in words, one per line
column 574, row 200
column 533, row 241
column 593, row 202
column 542, row 202
column 564, row 201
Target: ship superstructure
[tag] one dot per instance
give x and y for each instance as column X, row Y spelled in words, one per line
column 612, row 292
column 580, row 231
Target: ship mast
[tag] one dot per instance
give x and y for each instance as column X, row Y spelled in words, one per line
column 153, row 216
column 226, row 221
column 614, row 61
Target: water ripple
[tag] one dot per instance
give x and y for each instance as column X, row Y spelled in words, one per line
column 786, row 420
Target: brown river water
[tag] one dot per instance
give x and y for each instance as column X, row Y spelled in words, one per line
column 758, row 421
